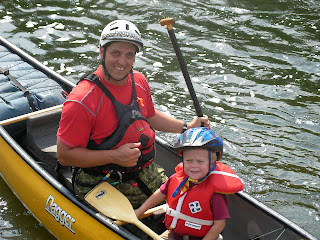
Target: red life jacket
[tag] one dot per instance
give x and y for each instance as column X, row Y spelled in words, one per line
column 189, row 213
column 132, row 127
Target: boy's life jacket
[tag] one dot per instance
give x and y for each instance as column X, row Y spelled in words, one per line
column 189, row 213
column 133, row 127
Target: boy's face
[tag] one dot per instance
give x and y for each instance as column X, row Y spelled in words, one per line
column 196, row 162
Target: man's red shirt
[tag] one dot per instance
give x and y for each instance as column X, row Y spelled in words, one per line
column 89, row 113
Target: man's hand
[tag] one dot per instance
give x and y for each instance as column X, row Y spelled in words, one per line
column 128, row 154
column 197, row 122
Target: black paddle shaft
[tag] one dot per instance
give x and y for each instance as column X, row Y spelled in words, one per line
column 185, row 72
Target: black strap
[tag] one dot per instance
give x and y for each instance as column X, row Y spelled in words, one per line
column 145, row 189
column 22, row 88
column 57, row 169
column 95, row 79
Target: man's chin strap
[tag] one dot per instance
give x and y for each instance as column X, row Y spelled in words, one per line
column 105, row 69
column 186, row 182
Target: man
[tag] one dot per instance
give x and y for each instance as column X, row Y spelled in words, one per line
column 106, row 128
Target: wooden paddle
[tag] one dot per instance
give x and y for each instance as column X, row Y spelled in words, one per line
column 152, row 211
column 112, row 203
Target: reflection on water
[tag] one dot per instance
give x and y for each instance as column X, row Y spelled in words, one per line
column 255, row 67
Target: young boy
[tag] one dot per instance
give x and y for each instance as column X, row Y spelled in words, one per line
column 196, row 208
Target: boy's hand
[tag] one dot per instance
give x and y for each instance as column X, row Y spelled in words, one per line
column 137, row 212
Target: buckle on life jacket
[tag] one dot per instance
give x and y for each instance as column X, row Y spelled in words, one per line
column 145, row 165
column 114, row 175
column 121, row 176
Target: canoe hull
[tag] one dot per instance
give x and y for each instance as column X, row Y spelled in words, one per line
column 58, row 214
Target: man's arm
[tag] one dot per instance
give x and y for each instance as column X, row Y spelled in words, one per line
column 126, row 155
column 165, row 123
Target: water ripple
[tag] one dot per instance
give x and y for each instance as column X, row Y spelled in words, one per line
column 255, row 67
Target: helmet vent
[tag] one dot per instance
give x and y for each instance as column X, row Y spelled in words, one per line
column 127, row 26
column 199, row 138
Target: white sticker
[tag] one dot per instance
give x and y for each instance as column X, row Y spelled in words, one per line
column 192, row 225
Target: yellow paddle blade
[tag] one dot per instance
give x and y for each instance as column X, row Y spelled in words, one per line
column 112, row 203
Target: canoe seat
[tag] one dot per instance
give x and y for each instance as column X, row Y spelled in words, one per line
column 41, row 136
column 41, row 142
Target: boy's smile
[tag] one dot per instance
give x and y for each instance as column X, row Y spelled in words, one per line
column 196, row 163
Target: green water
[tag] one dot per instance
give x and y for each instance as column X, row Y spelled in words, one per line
column 255, row 66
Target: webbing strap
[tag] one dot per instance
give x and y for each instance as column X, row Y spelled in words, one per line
column 145, row 189
column 22, row 88
column 178, row 215
column 95, row 79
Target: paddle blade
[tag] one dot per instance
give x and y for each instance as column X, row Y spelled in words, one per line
column 111, row 202
column 114, row 204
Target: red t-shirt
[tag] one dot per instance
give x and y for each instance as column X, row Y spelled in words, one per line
column 89, row 113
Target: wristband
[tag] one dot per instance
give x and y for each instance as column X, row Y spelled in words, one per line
column 185, row 127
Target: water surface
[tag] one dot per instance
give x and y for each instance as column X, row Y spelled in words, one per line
column 255, row 67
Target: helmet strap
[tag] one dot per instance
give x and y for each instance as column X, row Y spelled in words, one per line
column 174, row 194
column 209, row 171
column 103, row 62
column 210, row 162
column 184, row 185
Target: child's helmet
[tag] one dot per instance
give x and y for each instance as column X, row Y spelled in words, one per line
column 121, row 31
column 200, row 137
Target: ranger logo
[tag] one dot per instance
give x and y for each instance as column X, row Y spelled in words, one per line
column 195, row 207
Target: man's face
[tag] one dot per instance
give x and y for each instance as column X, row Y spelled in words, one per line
column 119, row 60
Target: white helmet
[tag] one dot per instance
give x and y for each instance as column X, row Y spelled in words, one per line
column 121, row 31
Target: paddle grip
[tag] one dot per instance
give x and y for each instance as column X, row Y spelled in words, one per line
column 168, row 22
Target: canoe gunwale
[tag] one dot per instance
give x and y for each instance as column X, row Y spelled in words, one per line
column 288, row 224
